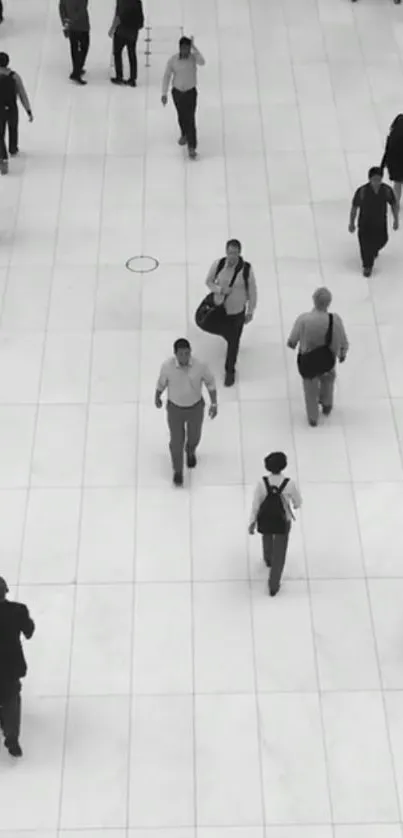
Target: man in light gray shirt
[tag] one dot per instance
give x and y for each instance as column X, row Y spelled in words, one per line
column 182, row 71
column 309, row 333
column 183, row 377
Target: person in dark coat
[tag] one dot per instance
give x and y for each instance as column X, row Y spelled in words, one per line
column 393, row 155
column 76, row 27
column 370, row 203
column 128, row 20
column 14, row 620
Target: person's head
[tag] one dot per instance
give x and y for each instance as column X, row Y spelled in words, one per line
column 322, row 299
column 183, row 351
column 3, row 589
column 275, row 462
column 375, row 175
column 396, row 129
column 233, row 250
column 4, row 60
column 185, row 45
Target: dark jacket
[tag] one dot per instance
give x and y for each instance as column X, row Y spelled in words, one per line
column 131, row 18
column 393, row 158
column 74, row 15
column 14, row 619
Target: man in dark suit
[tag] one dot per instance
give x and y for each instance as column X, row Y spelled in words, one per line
column 126, row 25
column 14, row 619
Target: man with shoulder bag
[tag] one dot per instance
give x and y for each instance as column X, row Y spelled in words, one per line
column 322, row 339
column 230, row 304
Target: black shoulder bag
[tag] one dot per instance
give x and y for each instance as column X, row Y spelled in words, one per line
column 320, row 360
column 209, row 314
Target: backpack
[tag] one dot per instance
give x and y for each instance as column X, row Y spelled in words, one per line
column 208, row 313
column 272, row 518
column 8, row 91
column 320, row 360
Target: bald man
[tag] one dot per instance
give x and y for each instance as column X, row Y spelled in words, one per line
column 14, row 621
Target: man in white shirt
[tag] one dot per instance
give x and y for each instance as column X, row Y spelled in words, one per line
column 275, row 543
column 183, row 377
column 239, row 298
column 181, row 70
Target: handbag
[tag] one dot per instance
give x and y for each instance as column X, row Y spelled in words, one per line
column 320, row 360
column 209, row 314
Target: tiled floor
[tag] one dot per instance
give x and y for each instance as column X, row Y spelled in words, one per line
column 166, row 692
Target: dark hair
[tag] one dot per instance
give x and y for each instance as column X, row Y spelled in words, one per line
column 275, row 462
column 181, row 343
column 234, row 243
column 4, row 59
column 185, row 42
column 375, row 170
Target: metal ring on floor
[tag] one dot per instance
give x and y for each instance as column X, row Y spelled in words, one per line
column 142, row 264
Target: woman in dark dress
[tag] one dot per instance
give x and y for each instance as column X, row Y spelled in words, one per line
column 393, row 156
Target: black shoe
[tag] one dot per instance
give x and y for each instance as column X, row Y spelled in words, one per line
column 14, row 748
column 313, row 424
column 327, row 409
column 13, row 152
column 117, row 80
column 77, row 79
column 178, row 478
column 131, row 83
column 192, row 153
column 182, row 140
column 191, row 461
column 229, row 380
column 367, row 272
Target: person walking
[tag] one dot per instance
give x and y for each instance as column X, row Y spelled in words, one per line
column 393, row 156
column 1, row 11
column 127, row 23
column 11, row 89
column 321, row 338
column 370, row 203
column 14, row 621
column 274, row 500
column 76, row 27
column 181, row 70
column 183, row 377
column 233, row 285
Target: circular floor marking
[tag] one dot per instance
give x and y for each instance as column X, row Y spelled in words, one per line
column 142, row 264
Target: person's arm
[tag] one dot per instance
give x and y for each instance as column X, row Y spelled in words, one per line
column 200, row 60
column 162, row 384
column 355, row 206
column 295, row 334
column 22, row 94
column 63, row 14
column 258, row 498
column 167, row 78
column 343, row 340
column 391, row 198
column 114, row 25
column 209, row 381
column 252, row 295
column 294, row 495
column 211, row 280
column 27, row 624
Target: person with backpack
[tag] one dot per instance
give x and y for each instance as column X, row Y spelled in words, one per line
column 321, row 339
column 370, row 203
column 274, row 500
column 231, row 303
column 11, row 89
column 128, row 20
column 15, row 620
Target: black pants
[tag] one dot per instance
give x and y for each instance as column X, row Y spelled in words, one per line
column 185, row 103
column 232, row 333
column 10, row 710
column 371, row 242
column 119, row 44
column 8, row 121
column 274, row 554
column 1, row 11
column 79, row 46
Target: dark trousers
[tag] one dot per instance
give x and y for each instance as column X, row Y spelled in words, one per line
column 185, row 103
column 371, row 242
column 185, row 428
column 232, row 333
column 10, row 710
column 119, row 45
column 79, row 46
column 8, row 121
column 274, row 554
column 1, row 11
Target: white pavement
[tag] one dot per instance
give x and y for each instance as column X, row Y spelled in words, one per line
column 166, row 691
